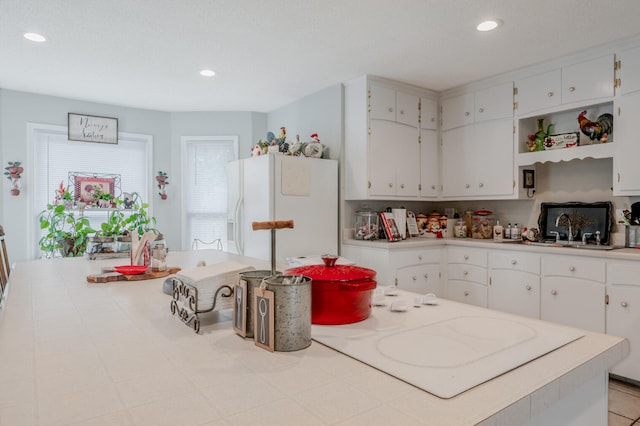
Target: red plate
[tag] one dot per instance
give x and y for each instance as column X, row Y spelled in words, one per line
column 131, row 269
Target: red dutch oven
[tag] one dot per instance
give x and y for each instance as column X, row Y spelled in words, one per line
column 340, row 294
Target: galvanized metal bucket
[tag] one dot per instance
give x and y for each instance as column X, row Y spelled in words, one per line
column 292, row 311
column 253, row 280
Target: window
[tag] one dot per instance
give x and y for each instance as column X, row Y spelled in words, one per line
column 205, row 187
column 54, row 156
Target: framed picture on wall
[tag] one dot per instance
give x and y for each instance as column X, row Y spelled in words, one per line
column 90, row 128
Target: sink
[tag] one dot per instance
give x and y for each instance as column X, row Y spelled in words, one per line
column 571, row 244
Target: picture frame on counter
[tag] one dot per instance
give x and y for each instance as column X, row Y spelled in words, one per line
column 92, row 128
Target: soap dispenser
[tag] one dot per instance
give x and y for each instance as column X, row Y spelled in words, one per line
column 497, row 231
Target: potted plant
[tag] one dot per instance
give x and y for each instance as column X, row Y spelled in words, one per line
column 13, row 172
column 65, row 232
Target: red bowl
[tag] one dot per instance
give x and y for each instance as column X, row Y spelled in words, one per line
column 131, row 269
column 340, row 294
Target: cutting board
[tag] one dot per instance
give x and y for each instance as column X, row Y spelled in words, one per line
column 109, row 275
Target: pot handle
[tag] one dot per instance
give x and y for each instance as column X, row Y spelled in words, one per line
column 357, row 286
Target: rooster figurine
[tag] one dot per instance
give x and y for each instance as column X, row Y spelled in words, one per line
column 596, row 130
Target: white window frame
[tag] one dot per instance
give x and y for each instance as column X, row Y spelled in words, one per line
column 184, row 142
column 33, row 129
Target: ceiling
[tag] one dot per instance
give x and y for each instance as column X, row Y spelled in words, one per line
column 148, row 53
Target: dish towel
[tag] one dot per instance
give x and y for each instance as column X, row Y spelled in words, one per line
column 208, row 279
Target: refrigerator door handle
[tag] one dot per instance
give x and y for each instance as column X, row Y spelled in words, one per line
column 236, row 228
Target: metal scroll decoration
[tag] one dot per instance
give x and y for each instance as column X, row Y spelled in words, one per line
column 185, row 302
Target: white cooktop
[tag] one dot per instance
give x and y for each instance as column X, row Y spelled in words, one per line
column 447, row 348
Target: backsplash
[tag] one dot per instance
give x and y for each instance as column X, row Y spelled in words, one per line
column 587, row 181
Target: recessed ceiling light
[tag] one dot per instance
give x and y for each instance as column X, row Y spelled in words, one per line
column 207, row 73
column 489, row 25
column 35, row 37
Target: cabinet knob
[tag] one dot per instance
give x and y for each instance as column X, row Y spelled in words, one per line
column 433, row 187
column 528, row 287
column 390, row 109
column 572, row 268
column 466, row 186
column 466, row 273
column 466, row 114
column 466, row 293
column 390, row 185
column 420, row 257
column 401, row 112
column 513, row 261
column 433, row 119
column 624, row 304
column 414, row 278
column 466, row 257
column 402, row 185
column 481, row 110
column 550, row 94
column 480, row 185
column 554, row 292
column 572, row 89
column 426, row 275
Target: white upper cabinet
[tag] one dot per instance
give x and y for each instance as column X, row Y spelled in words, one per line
column 382, row 103
column 576, row 83
column 485, row 104
column 494, row 102
column 626, row 173
column 428, row 114
column 588, row 80
column 458, row 111
column 388, row 104
column 539, row 92
column 407, row 109
column 628, row 76
column 429, row 164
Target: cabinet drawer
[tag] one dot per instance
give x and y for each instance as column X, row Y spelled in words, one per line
column 402, row 258
column 466, row 292
column 570, row 266
column 623, row 274
column 515, row 261
column 469, row 273
column 467, row 256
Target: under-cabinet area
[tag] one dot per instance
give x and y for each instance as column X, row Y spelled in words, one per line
column 596, row 292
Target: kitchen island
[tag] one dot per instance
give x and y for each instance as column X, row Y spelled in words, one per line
column 74, row 352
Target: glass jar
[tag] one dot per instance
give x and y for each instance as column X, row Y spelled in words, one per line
column 482, row 223
column 367, row 226
column 460, row 229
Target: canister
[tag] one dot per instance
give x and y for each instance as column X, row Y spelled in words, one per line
column 292, row 311
column 253, row 280
column 482, row 223
column 366, row 225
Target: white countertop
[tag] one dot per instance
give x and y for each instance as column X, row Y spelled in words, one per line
column 112, row 353
column 616, row 253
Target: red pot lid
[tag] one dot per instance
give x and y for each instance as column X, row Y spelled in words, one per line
column 483, row 212
column 339, row 273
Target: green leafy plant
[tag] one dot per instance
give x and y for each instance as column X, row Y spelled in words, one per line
column 139, row 220
column 66, row 232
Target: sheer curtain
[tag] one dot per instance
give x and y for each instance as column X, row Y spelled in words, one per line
column 205, row 188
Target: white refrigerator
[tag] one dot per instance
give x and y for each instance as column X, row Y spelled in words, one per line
column 278, row 187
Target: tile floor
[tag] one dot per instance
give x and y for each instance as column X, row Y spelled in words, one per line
column 624, row 404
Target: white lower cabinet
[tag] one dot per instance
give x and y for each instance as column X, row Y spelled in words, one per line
column 514, row 283
column 467, row 275
column 623, row 313
column 572, row 291
column 421, row 279
column 415, row 269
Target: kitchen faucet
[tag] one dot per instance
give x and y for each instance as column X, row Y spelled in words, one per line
column 570, row 237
